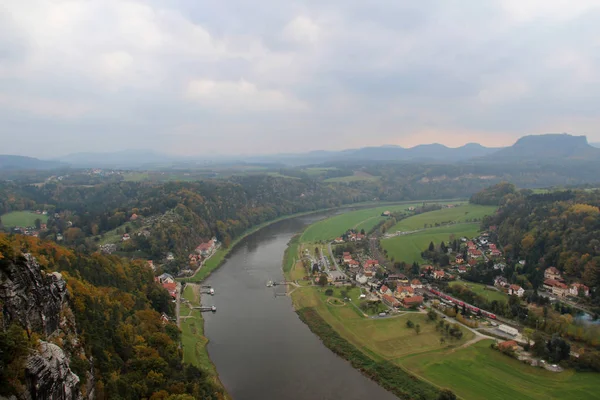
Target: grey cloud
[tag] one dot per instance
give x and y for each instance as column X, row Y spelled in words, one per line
column 383, row 72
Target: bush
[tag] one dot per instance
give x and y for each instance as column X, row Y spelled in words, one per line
column 329, row 292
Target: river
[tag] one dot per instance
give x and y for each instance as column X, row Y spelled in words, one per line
column 258, row 344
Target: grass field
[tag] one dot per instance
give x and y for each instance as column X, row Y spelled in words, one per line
column 478, row 372
column 455, row 215
column 192, row 334
column 366, row 219
column 136, row 176
column 22, row 218
column 480, row 289
column 358, row 176
column 408, row 248
column 314, row 171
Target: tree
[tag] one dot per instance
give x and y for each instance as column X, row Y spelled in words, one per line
column 432, row 315
column 446, row 394
column 431, row 246
column 329, row 292
column 344, row 294
column 418, row 328
column 323, row 280
column 362, row 231
column 409, row 324
column 442, row 340
column 443, row 247
column 38, row 223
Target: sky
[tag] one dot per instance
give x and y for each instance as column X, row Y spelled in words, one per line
column 196, row 77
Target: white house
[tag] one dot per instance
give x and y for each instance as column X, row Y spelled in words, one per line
column 577, row 288
column 516, row 290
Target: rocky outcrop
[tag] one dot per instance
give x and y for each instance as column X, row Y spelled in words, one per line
column 48, row 375
column 38, row 301
column 31, row 297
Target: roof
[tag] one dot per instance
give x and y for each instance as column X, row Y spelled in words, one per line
column 579, row 285
column 439, row 273
column 515, row 287
column 371, row 262
column 390, row 299
column 413, row 300
column 346, row 253
column 415, row 282
column 384, row 288
column 553, row 270
column 170, row 286
column 555, row 283
column 507, row 345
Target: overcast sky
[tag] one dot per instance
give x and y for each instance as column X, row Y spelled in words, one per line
column 243, row 76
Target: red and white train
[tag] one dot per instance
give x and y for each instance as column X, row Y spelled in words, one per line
column 462, row 303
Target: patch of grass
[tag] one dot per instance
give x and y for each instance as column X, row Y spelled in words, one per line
column 136, row 176
column 318, row 171
column 116, row 234
column 192, row 335
column 335, row 226
column 22, row 218
column 478, row 372
column 455, row 215
column 357, row 176
column 408, row 248
column 388, row 375
column 481, row 290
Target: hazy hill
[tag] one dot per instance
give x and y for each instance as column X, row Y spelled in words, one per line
column 22, row 162
column 547, row 148
column 117, row 159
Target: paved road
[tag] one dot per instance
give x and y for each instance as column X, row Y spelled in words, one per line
column 477, row 333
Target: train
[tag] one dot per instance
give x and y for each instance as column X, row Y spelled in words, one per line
column 462, row 303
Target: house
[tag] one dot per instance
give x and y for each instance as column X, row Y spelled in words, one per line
column 346, row 257
column 404, row 291
column 133, row 217
column 385, row 290
column 171, row 288
column 416, row 284
column 43, row 226
column 206, row 249
column 126, row 237
column 577, row 288
column 516, row 290
column 438, row 274
column 462, row 269
column 472, row 262
column 164, row 318
column 509, row 345
column 338, row 240
column 500, row 266
column 496, row 253
column 170, row 256
column 557, row 288
column 166, row 278
column 150, row 265
column 353, row 264
column 362, row 279
column 390, row 300
column 500, row 281
column 413, row 301
column 492, row 246
column 552, row 273
column 459, row 260
column 475, row 253
column 411, row 208
column 398, row 277
column 427, row 268
column 386, row 214
column 371, row 263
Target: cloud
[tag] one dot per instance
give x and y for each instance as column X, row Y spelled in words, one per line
column 239, row 97
column 195, row 75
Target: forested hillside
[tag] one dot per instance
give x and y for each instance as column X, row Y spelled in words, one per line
column 110, row 327
column 560, row 229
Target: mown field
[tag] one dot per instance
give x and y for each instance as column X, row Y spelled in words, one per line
column 408, row 248
column 192, row 334
column 478, row 372
column 358, row 176
column 366, row 219
column 455, row 215
column 21, row 218
column 481, row 290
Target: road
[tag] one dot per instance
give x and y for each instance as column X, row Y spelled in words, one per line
column 177, row 303
column 477, row 333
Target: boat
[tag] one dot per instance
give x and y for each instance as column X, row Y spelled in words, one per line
column 269, row 283
column 212, row 291
column 213, row 309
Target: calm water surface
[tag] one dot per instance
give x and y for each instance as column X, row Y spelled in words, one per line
column 259, row 346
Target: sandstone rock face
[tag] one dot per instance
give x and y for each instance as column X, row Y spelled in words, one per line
column 38, row 301
column 33, row 298
column 48, row 375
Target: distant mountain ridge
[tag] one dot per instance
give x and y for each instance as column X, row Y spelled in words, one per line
column 553, row 147
column 532, row 148
column 10, row 162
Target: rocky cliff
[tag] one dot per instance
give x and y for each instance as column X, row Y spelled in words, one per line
column 38, row 302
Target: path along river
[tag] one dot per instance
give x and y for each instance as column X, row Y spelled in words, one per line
column 259, row 346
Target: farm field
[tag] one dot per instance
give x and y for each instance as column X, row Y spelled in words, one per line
column 457, row 214
column 478, row 372
column 408, row 248
column 481, row 290
column 366, row 219
column 358, row 176
column 22, row 218
column 380, row 338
